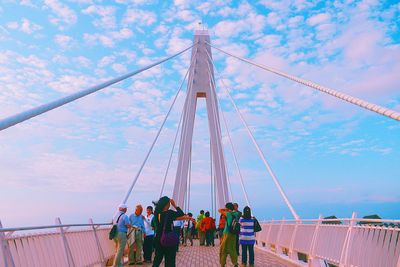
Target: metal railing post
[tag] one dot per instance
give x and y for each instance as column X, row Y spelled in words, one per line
column 278, row 246
column 96, row 238
column 312, row 260
column 67, row 250
column 268, row 234
column 347, row 242
column 291, row 252
column 5, row 250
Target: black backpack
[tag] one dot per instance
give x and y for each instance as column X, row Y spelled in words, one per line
column 234, row 228
column 257, row 226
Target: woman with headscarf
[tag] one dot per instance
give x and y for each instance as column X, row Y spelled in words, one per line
column 163, row 222
column 247, row 237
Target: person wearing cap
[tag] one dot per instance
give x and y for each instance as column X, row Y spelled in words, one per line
column 122, row 221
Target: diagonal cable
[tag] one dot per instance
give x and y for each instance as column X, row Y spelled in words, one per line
column 26, row 115
column 267, row 165
column 392, row 114
column 155, row 140
column 230, row 142
column 170, row 156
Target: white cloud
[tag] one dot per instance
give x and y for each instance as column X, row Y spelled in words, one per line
column 319, row 19
column 12, row 25
column 71, row 83
column 107, row 16
column 176, row 44
column 269, row 40
column 138, row 16
column 63, row 14
column 108, row 39
column 119, row 68
column 105, row 61
column 25, row 26
column 82, row 61
column 252, row 24
column 64, row 41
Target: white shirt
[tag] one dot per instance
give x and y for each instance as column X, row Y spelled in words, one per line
column 188, row 223
column 178, row 224
column 147, row 225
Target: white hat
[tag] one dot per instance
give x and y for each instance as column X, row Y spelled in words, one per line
column 122, row 206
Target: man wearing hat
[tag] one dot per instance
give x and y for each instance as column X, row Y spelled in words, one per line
column 122, row 221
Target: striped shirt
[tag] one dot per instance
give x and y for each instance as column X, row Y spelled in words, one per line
column 247, row 236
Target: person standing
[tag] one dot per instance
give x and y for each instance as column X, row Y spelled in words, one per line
column 207, row 226
column 247, row 237
column 178, row 225
column 163, row 221
column 136, row 236
column 188, row 229
column 239, row 214
column 221, row 226
column 228, row 244
column 122, row 221
column 149, row 235
column 201, row 234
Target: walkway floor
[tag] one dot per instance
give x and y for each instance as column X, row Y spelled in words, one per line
column 197, row 256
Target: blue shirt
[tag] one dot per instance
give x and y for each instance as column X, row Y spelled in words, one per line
column 137, row 221
column 123, row 222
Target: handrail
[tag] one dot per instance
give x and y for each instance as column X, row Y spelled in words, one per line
column 333, row 220
column 13, row 229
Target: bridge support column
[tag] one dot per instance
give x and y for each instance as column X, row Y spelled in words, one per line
column 5, row 252
column 200, row 85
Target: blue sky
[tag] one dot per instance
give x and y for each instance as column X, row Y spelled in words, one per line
column 76, row 162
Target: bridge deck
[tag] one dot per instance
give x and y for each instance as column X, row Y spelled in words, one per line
column 199, row 256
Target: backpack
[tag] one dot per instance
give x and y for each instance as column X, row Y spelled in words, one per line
column 114, row 229
column 234, row 228
column 257, row 226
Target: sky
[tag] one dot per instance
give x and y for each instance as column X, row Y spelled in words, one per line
column 77, row 162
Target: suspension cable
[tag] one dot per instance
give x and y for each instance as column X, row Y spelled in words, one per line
column 26, row 115
column 211, row 179
column 170, row 156
column 231, row 144
column 390, row 113
column 269, row 169
column 155, row 140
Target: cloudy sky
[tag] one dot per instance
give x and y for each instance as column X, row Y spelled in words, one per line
column 77, row 161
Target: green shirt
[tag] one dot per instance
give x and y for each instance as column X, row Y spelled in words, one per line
column 199, row 219
column 229, row 219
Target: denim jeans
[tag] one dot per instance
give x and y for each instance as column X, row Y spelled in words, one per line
column 250, row 248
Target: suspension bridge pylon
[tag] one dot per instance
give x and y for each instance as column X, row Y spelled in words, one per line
column 201, row 85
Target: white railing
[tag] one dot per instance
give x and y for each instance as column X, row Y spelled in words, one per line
column 61, row 245
column 340, row 242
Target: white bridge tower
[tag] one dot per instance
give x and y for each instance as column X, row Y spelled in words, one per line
column 201, row 84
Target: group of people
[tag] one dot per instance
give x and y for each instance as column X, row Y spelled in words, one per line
column 164, row 229
column 237, row 229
